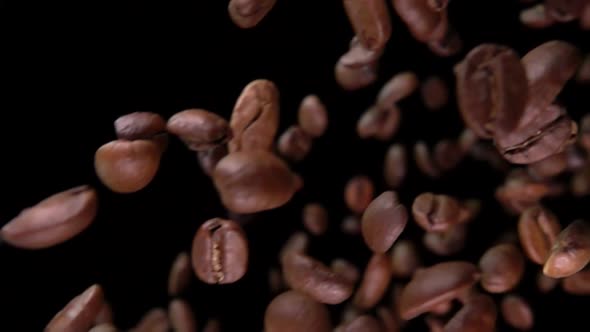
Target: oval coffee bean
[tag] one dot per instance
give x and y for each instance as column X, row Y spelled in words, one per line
column 436, row 213
column 375, row 282
column 364, row 323
column 200, row 130
column 182, row 318
column 447, row 155
column 570, row 252
column 294, row 144
column 379, row 123
column 446, row 243
column 155, row 320
column 577, row 284
column 254, row 181
column 439, row 283
column 538, row 229
column 208, row 159
column 358, row 193
column 400, row 86
column 517, row 312
column 583, row 75
column 105, row 327
column 312, row 278
column 127, row 166
column 383, row 221
column 477, row 315
column 395, row 166
column 353, row 78
column 546, row 284
column 79, row 314
column 404, row 259
column 370, row 21
column 424, row 160
column 247, row 14
column 180, row 274
column 139, row 125
column 315, row 218
column 52, row 221
column 346, row 269
column 421, row 19
column 297, row 242
column 220, row 252
column 295, row 312
column 435, row 94
column 388, row 319
column 312, row 116
column 502, row 268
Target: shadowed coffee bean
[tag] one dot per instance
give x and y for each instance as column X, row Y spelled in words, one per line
column 255, row 117
column 358, row 193
column 364, row 323
column 181, row 315
column 517, row 312
column 294, row 144
column 546, row 284
column 502, row 268
column 400, row 86
column 346, row 269
column 437, row 213
column 583, row 75
column 383, row 221
column 435, row 94
column 536, row 17
column 375, row 282
column 478, row 314
column 570, row 252
column 106, row 327
column 139, row 125
column 297, row 242
column 422, row 20
column 447, row 155
column 549, row 167
column 295, row 312
column 315, row 218
column 105, row 315
column 351, row 225
column 200, row 130
column 404, row 259
column 180, row 274
column 564, row 11
column 254, row 181
column 79, row 314
column 352, row 78
column 52, row 221
column 220, row 252
column 439, row 283
column 388, row 319
column 312, row 116
column 424, row 160
column 446, row 243
column 208, row 159
column 379, row 123
column 370, row 21
column 395, row 166
column 127, row 166
column 538, row 229
column 314, row 279
column 578, row 283
column 213, row 325
column 155, row 320
column 247, row 14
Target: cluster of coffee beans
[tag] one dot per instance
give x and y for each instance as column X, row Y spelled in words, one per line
column 514, row 122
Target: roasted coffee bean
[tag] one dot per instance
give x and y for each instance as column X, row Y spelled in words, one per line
column 155, row 320
column 358, row 193
column 549, row 167
column 255, row 117
column 517, row 312
column 295, row 312
column 580, row 182
column 424, row 160
column 275, row 281
column 570, row 252
column 583, row 75
column 442, row 308
column 375, row 282
column 578, row 283
column 182, row 318
column 477, row 315
column 536, row 17
column 388, row 320
column 105, row 315
column 351, row 225
column 180, row 274
column 294, row 144
column 400, row 86
column 220, row 252
column 439, row 283
column 370, row 21
column 405, row 259
column 585, row 18
column 208, row 159
column 352, row 78
column 53, row 220
column 200, row 130
column 315, row 218
column 254, row 181
column 520, row 192
column 564, row 11
column 395, row 166
column 447, row 155
column 298, row 242
column 484, row 151
column 435, row 94
column 139, row 125
column 546, row 284
column 538, row 229
column 314, row 279
column 247, row 14
column 449, row 44
column 434, row 324
column 359, row 55
column 364, row 323
column 346, row 269
column 437, row 213
column 422, row 20
column 127, row 166
column 584, row 137
column 349, row 313
column 312, row 116
column 446, row 243
column 106, row 327
column 383, row 221
column 379, row 123
column 502, row 268
column 79, row 314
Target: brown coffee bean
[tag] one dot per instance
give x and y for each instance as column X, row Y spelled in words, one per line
column 379, row 123
column 295, row 312
column 536, row 17
column 52, row 221
column 564, row 11
column 550, row 166
column 359, row 55
column 199, row 130
column 358, row 193
column 312, row 116
column 583, row 75
column 546, row 284
column 208, row 159
column 383, row 221
column 364, row 323
column 578, row 283
column 349, row 314
column 155, row 320
column 352, row 78
column 275, row 281
column 502, row 268
column 105, row 327
column 315, row 218
column 388, row 320
column 105, row 315
column 255, row 117
column 437, row 213
column 446, row 243
column 220, row 252
column 439, row 283
column 298, row 242
column 570, row 252
column 346, row 269
column 449, row 44
column 294, row 144
column 585, row 18
column 182, row 318
column 351, row 225
column 478, row 314
column 79, row 314
column 484, row 151
column 139, row 125
column 405, row 259
column 314, row 279
column 435, row 94
column 370, row 21
column 580, row 182
column 520, row 192
column 434, row 324
column 584, row 138
column 517, row 312
column 213, row 325
column 254, row 181
column 180, row 274
column 375, row 282
column 538, row 229
column 247, row 14
column 127, row 166
column 422, row 20
column 400, row 86
column 442, row 308
column 447, row 155
column 395, row 166
column 424, row 160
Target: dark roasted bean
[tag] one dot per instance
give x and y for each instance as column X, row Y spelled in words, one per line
column 446, row 243
column 295, row 312
column 517, row 312
column 312, row 116
column 477, row 315
column 247, row 14
column 538, row 229
column 583, row 75
column 200, row 130
column 180, row 274
column 383, row 221
column 358, row 193
column 388, row 320
column 139, row 125
column 379, row 123
column 404, row 259
column 370, row 21
column 80, row 313
column 400, row 86
column 447, row 155
column 375, row 282
column 570, row 252
column 422, row 20
column 564, row 11
column 294, row 143
column 550, row 166
column 437, row 213
column 395, row 166
column 502, row 268
column 578, row 283
column 181, row 315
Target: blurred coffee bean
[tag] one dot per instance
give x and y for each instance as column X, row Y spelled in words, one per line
column 247, row 14
column 536, row 17
column 181, row 315
column 405, row 259
column 312, row 116
column 502, row 268
column 517, row 312
column 379, row 123
column 105, row 327
column 546, row 284
column 155, row 320
column 139, row 125
column 199, row 130
column 564, row 11
column 400, row 86
column 383, row 221
column 583, row 75
column 346, row 269
column 388, row 319
column 375, row 281
column 395, row 166
column 447, row 155
column 79, row 314
column 180, row 274
column 208, row 159
column 421, row 19
column 315, row 218
column 435, row 93
column 580, row 182
column 294, row 144
column 352, row 78
column 520, row 192
column 364, row 323
column 105, row 315
column 297, row 242
column 351, row 225
column 538, row 229
column 578, row 283
column 437, row 213
column 295, row 312
column 478, row 314
column 275, row 281
column 213, row 325
column 446, row 243
column 570, row 252
column 358, row 193
column 549, row 167
column 370, row 21
column 424, row 160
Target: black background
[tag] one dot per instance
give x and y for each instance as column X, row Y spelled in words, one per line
column 70, row 68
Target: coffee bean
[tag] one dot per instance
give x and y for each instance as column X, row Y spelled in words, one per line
column 422, row 20
column 438, row 5
column 220, row 252
column 434, row 324
column 502, row 268
column 315, row 218
column 520, row 192
column 346, row 269
column 546, row 284
column 570, row 252
column 180, row 274
column 442, row 308
column 105, row 315
column 359, row 54
column 375, row 281
column 439, row 283
column 364, row 323
column 437, row 213
column 79, row 314
column 294, row 144
column 155, row 320
column 213, row 325
column 549, row 167
column 395, row 166
column 405, row 259
column 352, row 78
column 424, row 160
column 538, row 229
column 400, row 86
column 295, row 312
column 298, row 242
column 578, row 283
column 351, row 225
column 446, row 243
column 583, row 75
column 139, row 125
column 275, row 281
column 388, row 320
column 517, row 312
column 247, row 14
column 449, row 44
column 536, row 17
column 208, row 159
column 53, row 220
column 358, row 193
column 127, row 166
column 564, row 11
column 200, row 130
column 314, row 279
column 383, row 221
column 370, row 21
column 182, row 318
column 435, row 94
column 585, row 18
column 477, row 315
column 254, row 181
column 312, row 116
column 379, row 123
column 106, row 327
column 447, row 155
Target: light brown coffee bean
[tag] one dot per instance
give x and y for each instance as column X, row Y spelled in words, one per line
column 254, row 181
column 570, row 252
column 363, row 323
column 370, row 21
column 374, row 283
column 395, row 166
column 536, row 17
column 180, row 274
column 199, row 130
column 181, row 315
column 79, row 314
column 155, row 320
column 359, row 55
column 312, row 116
column 517, row 312
column 352, row 78
column 564, row 11
column 139, row 125
column 294, row 144
column 388, row 319
column 446, row 243
column 346, row 269
column 297, row 242
column 435, row 93
column 578, row 283
column 549, row 167
column 53, row 220
column 437, row 213
column 520, row 192
column 351, row 225
column 383, row 221
column 105, row 327
column 478, row 314
column 502, row 268
column 295, row 312
column 358, row 193
column 546, row 284
column 247, row 14
column 400, row 86
column 439, row 283
column 538, row 229
column 220, row 252
column 379, row 123
column 424, row 160
column 315, row 218
column 404, row 259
